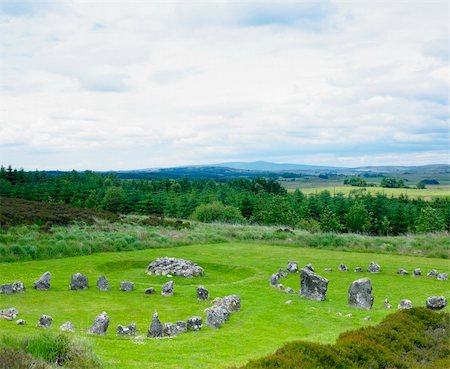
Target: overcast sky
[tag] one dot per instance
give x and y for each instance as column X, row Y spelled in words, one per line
column 138, row 84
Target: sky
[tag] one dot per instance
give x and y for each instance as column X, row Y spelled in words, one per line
column 116, row 85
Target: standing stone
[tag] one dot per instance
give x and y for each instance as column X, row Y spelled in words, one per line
column 442, row 277
column 358, row 270
column 126, row 286
column 100, row 326
column 343, row 268
column 282, row 273
column 79, row 282
column 310, row 267
column 436, row 302
column 103, row 284
column 67, row 327
column 373, row 267
column 6, row 288
column 433, row 273
column 402, row 272
column 167, row 289
column 404, row 304
column 292, row 267
column 18, row 287
column 128, row 330
column 417, row 272
column 181, row 325
column 43, row 283
column 45, row 321
column 274, row 279
column 312, row 286
column 156, row 328
column 170, row 329
column 194, row 323
column 360, row 294
column 202, row 293
column 216, row 316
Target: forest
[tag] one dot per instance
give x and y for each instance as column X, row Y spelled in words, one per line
column 237, row 200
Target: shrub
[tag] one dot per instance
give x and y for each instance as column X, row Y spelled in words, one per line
column 217, row 212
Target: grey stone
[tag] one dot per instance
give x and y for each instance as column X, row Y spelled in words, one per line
column 9, row 313
column 67, row 327
column 436, row 302
column 126, row 286
column 358, row 270
column 417, row 272
column 387, row 305
column 289, row 290
column 310, row 267
column 194, row 323
column 217, row 315
column 442, row 277
column 368, row 317
column 360, row 294
column 312, row 286
column 274, row 279
column 182, row 327
column 167, row 289
column 45, row 321
column 170, row 329
column 328, row 270
column 292, row 267
column 433, row 273
column 202, row 293
column 6, row 288
column 21, row 322
column 18, row 287
column 43, row 283
column 156, row 328
column 79, row 282
column 103, row 284
column 149, row 291
column 373, row 267
column 280, row 287
column 342, row 268
column 282, row 273
column 175, row 266
column 404, row 304
column 402, row 272
column 101, row 324
column 126, row 330
column 231, row 302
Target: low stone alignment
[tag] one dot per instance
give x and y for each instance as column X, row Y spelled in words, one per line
column 158, row 330
column 10, row 288
column 174, row 266
column 312, row 285
column 103, row 284
column 360, row 294
column 220, row 312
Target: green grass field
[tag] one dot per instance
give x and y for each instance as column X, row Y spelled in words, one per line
column 263, row 325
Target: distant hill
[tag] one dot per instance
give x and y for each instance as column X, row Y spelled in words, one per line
column 273, row 167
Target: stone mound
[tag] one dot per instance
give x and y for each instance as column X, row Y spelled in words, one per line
column 174, row 266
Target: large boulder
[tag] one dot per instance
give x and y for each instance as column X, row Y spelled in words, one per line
column 312, row 285
column 360, row 294
column 194, row 323
column 126, row 286
column 174, row 266
column 202, row 293
column 103, row 284
column 167, row 289
column 43, row 283
column 436, row 302
column 373, row 267
column 292, row 267
column 79, row 282
column 100, row 326
column 405, row 304
column 156, row 328
column 126, row 330
column 45, row 321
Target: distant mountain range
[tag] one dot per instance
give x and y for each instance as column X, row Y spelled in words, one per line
column 272, row 167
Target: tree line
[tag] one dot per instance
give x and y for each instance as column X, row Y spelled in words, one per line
column 258, row 200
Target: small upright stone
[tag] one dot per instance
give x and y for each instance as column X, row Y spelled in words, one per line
column 436, row 302
column 417, row 272
column 167, row 289
column 280, row 286
column 18, row 287
column 43, row 283
column 45, row 321
column 67, row 327
column 312, row 285
column 404, row 304
column 103, row 284
column 126, row 330
column 181, row 325
column 274, row 279
column 126, row 286
column 358, row 270
column 402, row 272
column 282, row 273
column 79, row 282
column 100, row 326
column 433, row 273
column 149, row 291
column 194, row 323
column 387, row 305
column 373, row 267
column 170, row 329
column 360, row 294
column 202, row 293
column 442, row 277
column 343, row 268
column 292, row 267
column 156, row 328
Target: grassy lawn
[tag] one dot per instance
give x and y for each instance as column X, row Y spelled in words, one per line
column 264, row 323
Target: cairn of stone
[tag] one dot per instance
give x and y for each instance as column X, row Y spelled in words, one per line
column 43, row 283
column 126, row 286
column 149, row 291
column 343, row 268
column 436, row 302
column 417, row 272
column 100, row 325
column 202, row 293
column 45, row 321
column 156, row 328
column 174, row 266
column 9, row 313
column 404, row 304
column 402, row 271
column 373, row 267
column 167, row 289
column 312, row 285
column 360, row 294
column 194, row 323
column 126, row 330
column 103, row 284
column 79, row 282
column 10, row 288
column 67, row 327
column 292, row 267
